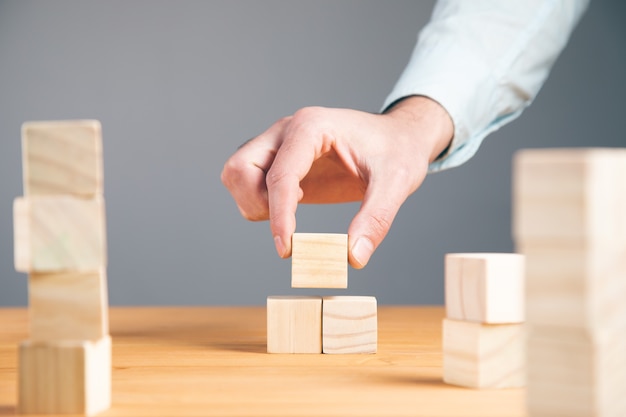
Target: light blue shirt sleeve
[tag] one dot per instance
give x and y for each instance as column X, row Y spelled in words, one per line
column 484, row 61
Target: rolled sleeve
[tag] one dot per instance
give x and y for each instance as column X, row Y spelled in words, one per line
column 484, row 61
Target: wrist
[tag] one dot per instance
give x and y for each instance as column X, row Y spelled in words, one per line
column 426, row 122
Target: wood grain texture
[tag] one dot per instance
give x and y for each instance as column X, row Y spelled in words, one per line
column 569, row 194
column 70, row 377
column 62, row 157
column 59, row 233
column 479, row 355
column 485, row 287
column 574, row 284
column 294, row 324
column 319, row 260
column 349, row 324
column 576, row 372
column 68, row 306
column 212, row 361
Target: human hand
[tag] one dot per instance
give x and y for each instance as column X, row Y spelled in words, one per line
column 322, row 155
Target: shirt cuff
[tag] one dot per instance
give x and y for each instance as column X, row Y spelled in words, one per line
column 452, row 92
column 484, row 62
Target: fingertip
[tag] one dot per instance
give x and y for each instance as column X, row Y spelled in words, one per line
column 283, row 250
column 361, row 252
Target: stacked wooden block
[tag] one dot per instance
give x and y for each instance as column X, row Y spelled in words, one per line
column 313, row 324
column 570, row 222
column 60, row 241
column 483, row 332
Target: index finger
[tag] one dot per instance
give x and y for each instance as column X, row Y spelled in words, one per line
column 302, row 144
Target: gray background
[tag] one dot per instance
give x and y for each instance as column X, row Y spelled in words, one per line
column 179, row 85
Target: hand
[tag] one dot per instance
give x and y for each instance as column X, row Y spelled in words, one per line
column 322, row 155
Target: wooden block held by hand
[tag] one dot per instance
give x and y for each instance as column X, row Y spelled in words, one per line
column 477, row 355
column 62, row 157
column 349, row 324
column 58, row 233
column 319, row 260
column 294, row 324
column 70, row 377
column 68, row 306
column 485, row 287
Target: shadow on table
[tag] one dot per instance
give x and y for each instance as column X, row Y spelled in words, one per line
column 220, row 336
column 424, row 381
column 8, row 410
column 255, row 347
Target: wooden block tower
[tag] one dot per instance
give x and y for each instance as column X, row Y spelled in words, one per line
column 60, row 241
column 569, row 219
column 339, row 324
column 483, row 332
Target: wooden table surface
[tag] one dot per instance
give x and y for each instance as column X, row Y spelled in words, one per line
column 211, row 361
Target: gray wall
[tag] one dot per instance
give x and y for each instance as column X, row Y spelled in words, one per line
column 178, row 85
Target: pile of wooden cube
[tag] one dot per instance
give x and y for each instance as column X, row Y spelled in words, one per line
column 313, row 324
column 570, row 222
column 60, row 241
column 483, row 332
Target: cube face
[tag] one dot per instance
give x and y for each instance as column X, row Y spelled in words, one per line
column 62, row 157
column 294, row 324
column 576, row 372
column 574, row 285
column 68, row 306
column 485, row 287
column 350, row 324
column 479, row 355
column 569, row 194
column 319, row 260
column 58, row 233
column 71, row 377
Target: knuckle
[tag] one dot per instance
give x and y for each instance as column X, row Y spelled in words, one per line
column 309, row 119
column 231, row 171
column 246, row 189
column 283, row 120
column 404, row 177
column 307, row 113
column 274, row 177
column 379, row 223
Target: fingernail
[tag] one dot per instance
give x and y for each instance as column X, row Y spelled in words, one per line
column 280, row 246
column 362, row 250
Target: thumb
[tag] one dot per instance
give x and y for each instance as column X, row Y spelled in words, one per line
column 381, row 203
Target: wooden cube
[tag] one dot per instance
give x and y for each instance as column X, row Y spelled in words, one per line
column 319, row 260
column 576, row 372
column 62, row 157
column 70, row 377
column 569, row 194
column 485, row 287
column 576, row 284
column 59, row 233
column 294, row 324
column 68, row 306
column 477, row 355
column 349, row 324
